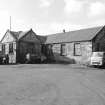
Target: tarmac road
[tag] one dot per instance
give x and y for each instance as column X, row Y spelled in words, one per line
column 51, row 85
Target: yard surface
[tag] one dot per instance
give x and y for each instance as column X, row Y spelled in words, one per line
column 51, row 84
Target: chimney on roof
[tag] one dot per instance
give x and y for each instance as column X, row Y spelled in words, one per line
column 64, row 31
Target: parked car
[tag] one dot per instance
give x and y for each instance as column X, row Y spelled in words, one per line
column 97, row 59
column 33, row 58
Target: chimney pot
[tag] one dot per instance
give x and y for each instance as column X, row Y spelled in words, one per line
column 64, row 31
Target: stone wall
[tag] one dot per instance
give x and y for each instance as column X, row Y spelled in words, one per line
column 12, row 56
column 85, row 48
column 27, row 47
column 99, row 41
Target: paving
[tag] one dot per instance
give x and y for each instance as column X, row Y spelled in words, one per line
column 51, row 84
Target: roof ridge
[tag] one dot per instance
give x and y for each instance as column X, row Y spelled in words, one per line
column 77, row 35
column 18, row 34
column 76, row 30
column 24, row 33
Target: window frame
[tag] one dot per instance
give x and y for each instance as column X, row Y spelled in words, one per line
column 3, row 48
column 11, row 48
column 0, row 47
column 63, row 49
column 77, row 49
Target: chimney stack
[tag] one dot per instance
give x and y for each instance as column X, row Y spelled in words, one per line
column 64, row 31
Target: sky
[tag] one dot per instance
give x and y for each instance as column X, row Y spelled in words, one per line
column 50, row 16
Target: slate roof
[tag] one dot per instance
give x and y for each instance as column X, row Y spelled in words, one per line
column 18, row 35
column 78, row 35
column 15, row 34
column 72, row 36
column 22, row 34
column 42, row 38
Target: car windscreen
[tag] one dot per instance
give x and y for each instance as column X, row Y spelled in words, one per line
column 97, row 54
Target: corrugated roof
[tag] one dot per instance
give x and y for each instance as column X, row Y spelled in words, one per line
column 78, row 35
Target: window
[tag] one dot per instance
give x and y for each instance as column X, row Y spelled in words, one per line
column 11, row 48
column 3, row 48
column 63, row 49
column 14, row 45
column 77, row 49
column 0, row 47
column 49, row 50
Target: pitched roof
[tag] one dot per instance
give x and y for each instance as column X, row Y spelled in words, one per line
column 15, row 34
column 18, row 35
column 78, row 35
column 42, row 38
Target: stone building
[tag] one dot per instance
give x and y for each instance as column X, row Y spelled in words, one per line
column 77, row 46
column 73, row 47
column 17, row 44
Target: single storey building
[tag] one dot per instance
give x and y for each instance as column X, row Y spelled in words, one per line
column 74, row 46
column 77, row 45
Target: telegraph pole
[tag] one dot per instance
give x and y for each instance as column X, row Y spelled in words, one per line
column 10, row 23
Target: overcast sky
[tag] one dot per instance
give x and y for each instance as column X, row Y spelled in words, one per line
column 51, row 16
